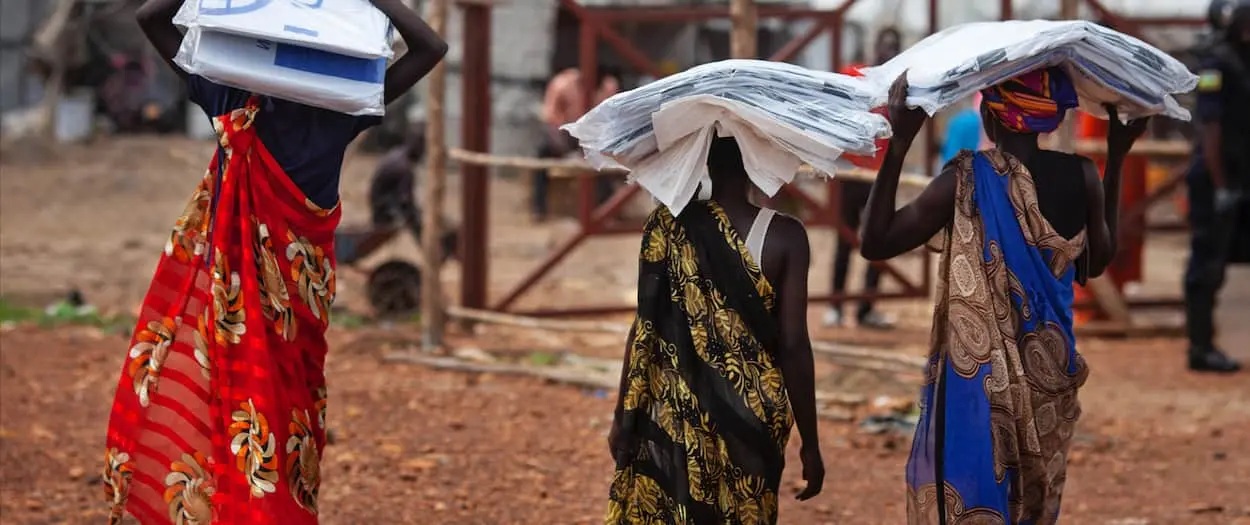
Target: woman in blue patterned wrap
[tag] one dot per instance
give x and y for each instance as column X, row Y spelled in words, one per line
column 1016, row 225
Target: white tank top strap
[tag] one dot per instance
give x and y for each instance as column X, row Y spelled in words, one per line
column 758, row 233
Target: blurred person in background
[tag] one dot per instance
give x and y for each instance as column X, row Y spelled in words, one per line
column 219, row 414
column 393, row 189
column 1219, row 174
column 718, row 364
column 963, row 131
column 564, row 102
column 1016, row 225
column 854, row 197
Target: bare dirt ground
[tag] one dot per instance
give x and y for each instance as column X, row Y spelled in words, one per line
column 1157, row 445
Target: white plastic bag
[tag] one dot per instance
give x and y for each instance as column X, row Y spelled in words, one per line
column 309, row 76
column 1106, row 66
column 781, row 115
column 346, row 27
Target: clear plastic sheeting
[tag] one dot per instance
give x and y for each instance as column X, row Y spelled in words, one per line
column 309, row 76
column 353, row 28
column 782, row 116
column 1106, row 66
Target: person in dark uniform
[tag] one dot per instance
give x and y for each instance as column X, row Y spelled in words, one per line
column 1218, row 178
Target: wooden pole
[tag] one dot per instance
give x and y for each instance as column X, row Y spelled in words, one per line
column 743, row 43
column 1067, row 130
column 432, row 190
column 50, row 45
column 475, row 122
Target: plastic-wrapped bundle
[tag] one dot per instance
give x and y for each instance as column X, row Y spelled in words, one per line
column 1106, row 66
column 782, row 116
column 309, row 76
column 346, row 27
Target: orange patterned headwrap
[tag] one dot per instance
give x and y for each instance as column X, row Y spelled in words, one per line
column 1034, row 102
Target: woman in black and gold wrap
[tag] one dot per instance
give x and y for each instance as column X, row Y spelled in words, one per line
column 717, row 359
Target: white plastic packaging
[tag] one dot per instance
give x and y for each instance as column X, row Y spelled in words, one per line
column 309, row 76
column 782, row 116
column 346, row 27
column 1106, row 66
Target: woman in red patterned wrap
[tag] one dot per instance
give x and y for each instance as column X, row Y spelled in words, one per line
column 219, row 415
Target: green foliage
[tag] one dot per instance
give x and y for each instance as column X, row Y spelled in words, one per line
column 544, row 359
column 63, row 314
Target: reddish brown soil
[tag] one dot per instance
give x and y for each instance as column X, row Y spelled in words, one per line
column 1157, row 445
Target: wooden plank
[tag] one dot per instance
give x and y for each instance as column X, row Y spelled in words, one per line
column 846, row 355
column 1178, row 149
column 589, row 378
column 1109, row 299
column 553, row 325
column 1108, row 329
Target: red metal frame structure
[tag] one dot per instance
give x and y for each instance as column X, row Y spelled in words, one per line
column 595, row 24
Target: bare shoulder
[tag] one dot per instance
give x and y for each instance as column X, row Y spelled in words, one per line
column 789, row 233
column 566, row 77
column 1089, row 170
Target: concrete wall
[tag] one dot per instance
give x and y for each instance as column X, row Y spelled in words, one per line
column 521, row 47
column 18, row 19
column 525, row 42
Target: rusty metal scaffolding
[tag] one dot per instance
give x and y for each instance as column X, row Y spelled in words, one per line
column 596, row 23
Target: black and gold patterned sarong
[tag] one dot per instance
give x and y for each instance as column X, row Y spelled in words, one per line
column 704, row 404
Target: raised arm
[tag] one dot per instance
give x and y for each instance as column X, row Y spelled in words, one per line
column 794, row 358
column 1208, row 114
column 425, row 48
column 888, row 232
column 1100, row 239
column 1103, row 215
column 156, row 18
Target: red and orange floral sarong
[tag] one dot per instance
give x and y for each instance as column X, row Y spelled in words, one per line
column 219, row 415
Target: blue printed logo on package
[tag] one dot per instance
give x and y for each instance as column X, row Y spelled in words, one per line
column 372, row 71
column 241, row 7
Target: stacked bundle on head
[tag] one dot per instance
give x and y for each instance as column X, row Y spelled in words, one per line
column 1106, row 66
column 329, row 54
column 781, row 115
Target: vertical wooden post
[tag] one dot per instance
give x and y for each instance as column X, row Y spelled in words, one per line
column 743, row 39
column 49, row 42
column 930, row 129
column 588, row 71
column 432, row 190
column 475, row 120
column 1068, row 10
column 835, row 42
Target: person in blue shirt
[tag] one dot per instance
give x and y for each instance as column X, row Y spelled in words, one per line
column 963, row 132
